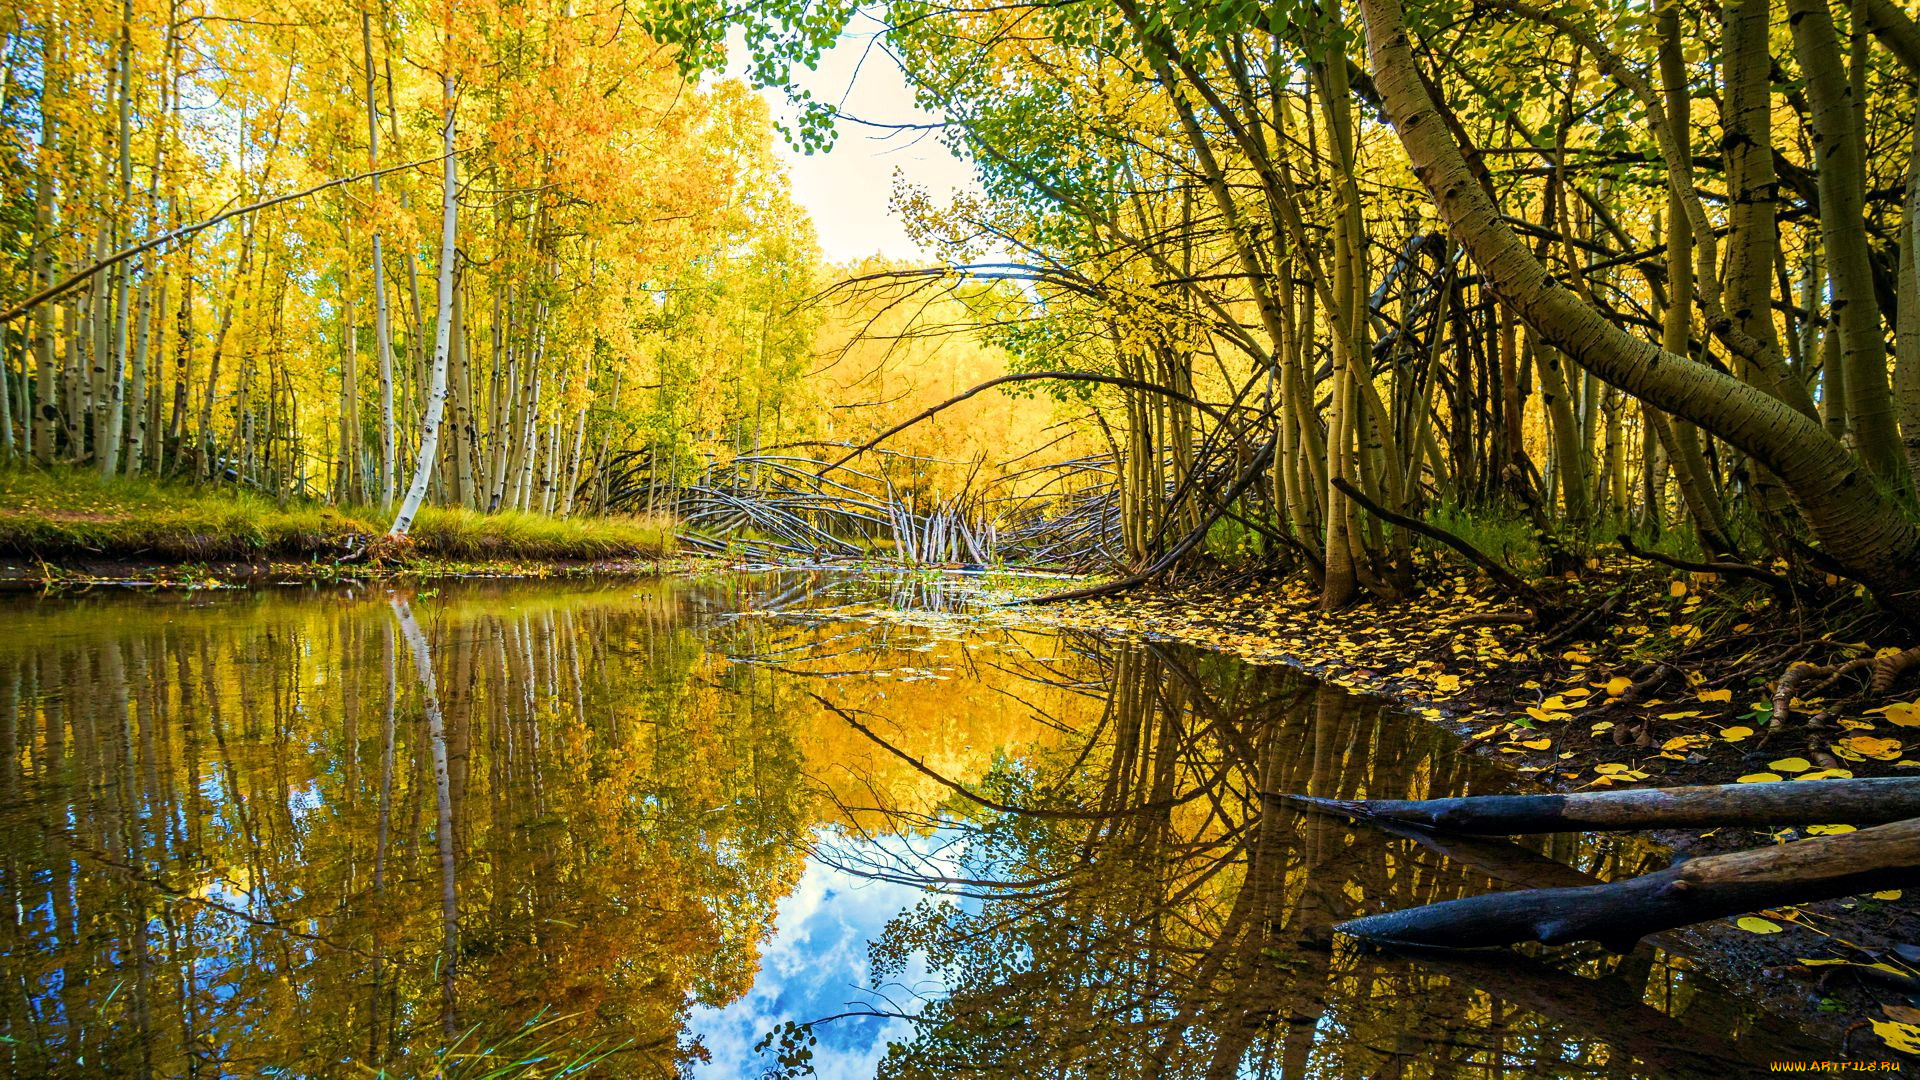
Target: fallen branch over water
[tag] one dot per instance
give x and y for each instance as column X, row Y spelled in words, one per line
column 1852, row 802
column 1618, row 914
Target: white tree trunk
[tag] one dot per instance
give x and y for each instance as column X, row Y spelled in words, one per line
column 437, row 386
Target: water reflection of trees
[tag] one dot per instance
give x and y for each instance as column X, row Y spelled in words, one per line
column 233, row 837
column 227, row 844
column 1184, row 928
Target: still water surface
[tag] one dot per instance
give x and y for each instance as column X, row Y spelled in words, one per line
column 741, row 826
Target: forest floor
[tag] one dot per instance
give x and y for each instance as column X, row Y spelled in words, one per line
column 64, row 525
column 1675, row 684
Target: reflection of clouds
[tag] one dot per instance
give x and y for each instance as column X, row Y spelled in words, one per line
column 814, row 966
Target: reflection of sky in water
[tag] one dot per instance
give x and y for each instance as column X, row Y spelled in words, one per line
column 814, row 966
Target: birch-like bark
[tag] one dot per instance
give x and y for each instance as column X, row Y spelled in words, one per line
column 1681, row 439
column 1858, row 526
column 349, row 483
column 1752, row 242
column 107, row 435
column 1906, row 342
column 443, row 800
column 382, row 331
column 1839, row 154
column 437, row 381
column 461, row 377
column 6, row 401
column 45, row 411
column 137, row 385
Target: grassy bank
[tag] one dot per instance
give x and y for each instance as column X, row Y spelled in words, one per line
column 70, row 515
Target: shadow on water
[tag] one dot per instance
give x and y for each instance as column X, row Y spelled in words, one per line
column 241, row 834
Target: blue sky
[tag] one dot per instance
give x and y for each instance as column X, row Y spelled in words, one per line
column 814, row 966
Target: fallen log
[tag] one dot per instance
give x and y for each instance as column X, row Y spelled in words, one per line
column 1620, row 913
column 1825, row 802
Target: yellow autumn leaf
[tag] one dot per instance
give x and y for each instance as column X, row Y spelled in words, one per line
column 1829, row 830
column 1887, row 894
column 1677, row 589
column 1905, row 714
column 1446, row 683
column 1618, row 685
column 1537, row 744
column 1827, row 774
column 1869, row 746
column 1753, row 924
column 1790, row 765
column 1904, row 1038
column 1758, row 778
column 1736, row 733
column 1715, row 695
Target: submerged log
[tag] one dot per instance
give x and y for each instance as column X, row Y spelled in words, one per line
column 1618, row 914
column 1613, row 1010
column 1824, row 802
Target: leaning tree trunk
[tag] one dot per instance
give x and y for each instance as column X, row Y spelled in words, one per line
column 437, row 382
column 1863, row 530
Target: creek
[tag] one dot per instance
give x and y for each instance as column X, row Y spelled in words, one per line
column 642, row 827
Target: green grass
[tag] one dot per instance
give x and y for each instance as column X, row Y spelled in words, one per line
column 1509, row 538
column 70, row 513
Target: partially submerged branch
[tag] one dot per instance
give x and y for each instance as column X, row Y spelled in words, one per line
column 1711, row 887
column 1853, row 802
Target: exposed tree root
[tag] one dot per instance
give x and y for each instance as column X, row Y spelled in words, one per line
column 1803, row 679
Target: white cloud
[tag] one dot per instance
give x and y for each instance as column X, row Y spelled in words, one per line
column 847, row 189
column 814, row 966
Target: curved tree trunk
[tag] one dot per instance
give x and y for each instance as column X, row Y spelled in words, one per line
column 1860, row 527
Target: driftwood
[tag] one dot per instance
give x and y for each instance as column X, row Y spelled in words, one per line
column 1618, row 914
column 1852, row 802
